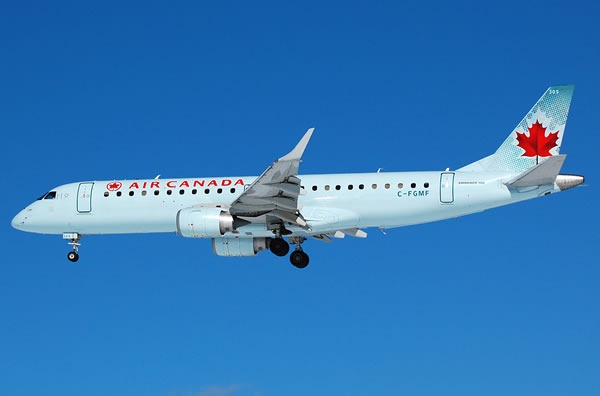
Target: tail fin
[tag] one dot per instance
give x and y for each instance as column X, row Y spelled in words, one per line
column 537, row 137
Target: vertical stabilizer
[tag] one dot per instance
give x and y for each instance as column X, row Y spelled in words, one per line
column 536, row 138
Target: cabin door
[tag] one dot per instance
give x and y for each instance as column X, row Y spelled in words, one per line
column 84, row 197
column 447, row 188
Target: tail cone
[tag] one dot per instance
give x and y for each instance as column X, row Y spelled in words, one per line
column 564, row 182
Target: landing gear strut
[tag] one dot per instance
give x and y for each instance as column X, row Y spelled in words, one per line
column 74, row 238
column 298, row 258
column 280, row 247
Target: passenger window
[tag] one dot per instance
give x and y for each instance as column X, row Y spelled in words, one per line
column 350, row 186
column 106, row 193
column 387, row 186
column 400, row 185
column 181, row 192
column 169, row 192
column 219, row 190
column 413, row 185
column 326, row 187
column 156, row 192
column 426, row 185
column 144, row 193
column 118, row 193
column 361, row 186
column 131, row 193
column 314, row 188
column 232, row 190
column 207, row 191
column 374, row 186
column 194, row 191
column 338, row 187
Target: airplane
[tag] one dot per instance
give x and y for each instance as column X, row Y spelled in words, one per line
column 244, row 215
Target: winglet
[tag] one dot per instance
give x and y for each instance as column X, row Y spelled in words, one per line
column 297, row 152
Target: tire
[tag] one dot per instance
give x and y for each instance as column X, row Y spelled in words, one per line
column 299, row 259
column 73, row 256
column 279, row 247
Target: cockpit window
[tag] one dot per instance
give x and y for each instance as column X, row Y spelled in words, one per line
column 50, row 195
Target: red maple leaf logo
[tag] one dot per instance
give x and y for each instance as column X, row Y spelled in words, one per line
column 537, row 143
column 113, row 186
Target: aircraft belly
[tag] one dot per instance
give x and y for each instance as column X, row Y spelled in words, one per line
column 393, row 211
column 118, row 218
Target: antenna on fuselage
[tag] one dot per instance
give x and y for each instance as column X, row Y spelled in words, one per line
column 379, row 170
column 157, row 177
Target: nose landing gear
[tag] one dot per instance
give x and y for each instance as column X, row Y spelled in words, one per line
column 74, row 238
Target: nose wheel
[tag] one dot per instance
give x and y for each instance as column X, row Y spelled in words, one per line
column 73, row 256
column 74, row 239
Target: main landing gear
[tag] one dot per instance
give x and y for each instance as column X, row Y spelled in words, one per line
column 74, row 238
column 298, row 258
column 280, row 247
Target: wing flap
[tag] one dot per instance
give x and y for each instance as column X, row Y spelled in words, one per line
column 275, row 192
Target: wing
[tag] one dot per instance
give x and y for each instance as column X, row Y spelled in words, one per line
column 275, row 192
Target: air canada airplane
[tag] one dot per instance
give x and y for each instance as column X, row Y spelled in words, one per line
column 244, row 215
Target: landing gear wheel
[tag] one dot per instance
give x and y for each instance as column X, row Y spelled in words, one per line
column 73, row 256
column 299, row 259
column 279, row 247
column 74, row 238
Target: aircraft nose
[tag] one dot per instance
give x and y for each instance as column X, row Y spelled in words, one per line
column 19, row 220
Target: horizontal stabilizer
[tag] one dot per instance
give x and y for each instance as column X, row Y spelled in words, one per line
column 543, row 173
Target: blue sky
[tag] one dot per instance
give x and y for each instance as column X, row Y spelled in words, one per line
column 502, row 302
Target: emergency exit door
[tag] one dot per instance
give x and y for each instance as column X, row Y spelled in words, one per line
column 447, row 188
column 84, row 197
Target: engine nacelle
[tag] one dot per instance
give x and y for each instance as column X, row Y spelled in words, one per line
column 203, row 222
column 236, row 247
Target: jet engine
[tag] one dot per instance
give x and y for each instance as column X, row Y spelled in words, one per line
column 236, row 247
column 204, row 222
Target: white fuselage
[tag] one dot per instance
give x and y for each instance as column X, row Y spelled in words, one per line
column 329, row 202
